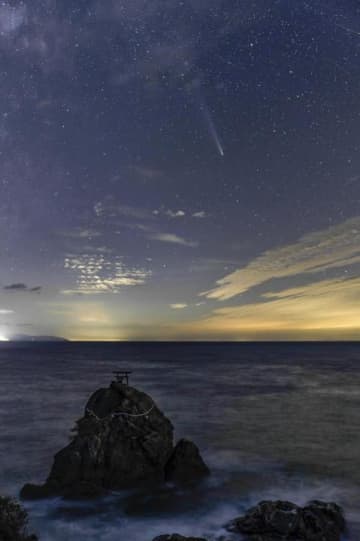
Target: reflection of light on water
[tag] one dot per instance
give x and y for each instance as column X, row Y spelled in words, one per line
column 3, row 338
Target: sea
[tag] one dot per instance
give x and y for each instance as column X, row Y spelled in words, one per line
column 272, row 421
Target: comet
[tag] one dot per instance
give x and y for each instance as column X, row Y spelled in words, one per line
column 212, row 129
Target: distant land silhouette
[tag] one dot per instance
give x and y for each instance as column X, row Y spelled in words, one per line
column 31, row 338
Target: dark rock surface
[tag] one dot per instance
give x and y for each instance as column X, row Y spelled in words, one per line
column 177, row 537
column 122, row 441
column 13, row 521
column 185, row 465
column 279, row 520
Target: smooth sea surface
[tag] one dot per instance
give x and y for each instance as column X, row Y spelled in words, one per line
column 272, row 420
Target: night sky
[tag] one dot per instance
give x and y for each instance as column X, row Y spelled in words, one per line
column 180, row 169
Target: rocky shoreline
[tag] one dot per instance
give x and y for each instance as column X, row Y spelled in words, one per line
column 283, row 521
column 267, row 521
column 124, row 440
column 14, row 521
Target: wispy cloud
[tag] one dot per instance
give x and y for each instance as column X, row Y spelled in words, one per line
column 142, row 220
column 146, row 172
column 175, row 213
column 199, row 214
column 112, row 208
column 178, row 306
column 309, row 289
column 173, row 239
column 179, row 213
column 82, row 233
column 335, row 247
column 169, row 213
column 21, row 288
column 326, row 309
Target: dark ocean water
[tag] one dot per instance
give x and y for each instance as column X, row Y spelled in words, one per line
column 272, row 421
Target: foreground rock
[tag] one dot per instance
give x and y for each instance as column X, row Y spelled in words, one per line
column 13, row 521
column 177, row 537
column 278, row 520
column 122, row 441
column 185, row 465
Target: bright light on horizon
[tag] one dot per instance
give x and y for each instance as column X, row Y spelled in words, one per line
column 3, row 338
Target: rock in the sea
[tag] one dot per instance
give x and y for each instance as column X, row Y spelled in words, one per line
column 177, row 537
column 185, row 465
column 267, row 517
column 122, row 441
column 36, row 492
column 322, row 520
column 13, row 521
column 281, row 520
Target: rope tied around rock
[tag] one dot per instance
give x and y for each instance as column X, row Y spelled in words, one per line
column 119, row 413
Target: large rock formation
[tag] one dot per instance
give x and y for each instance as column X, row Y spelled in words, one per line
column 122, row 441
column 13, row 521
column 278, row 520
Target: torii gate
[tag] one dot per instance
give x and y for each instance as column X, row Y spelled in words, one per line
column 122, row 376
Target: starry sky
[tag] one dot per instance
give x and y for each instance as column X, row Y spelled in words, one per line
column 180, row 169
